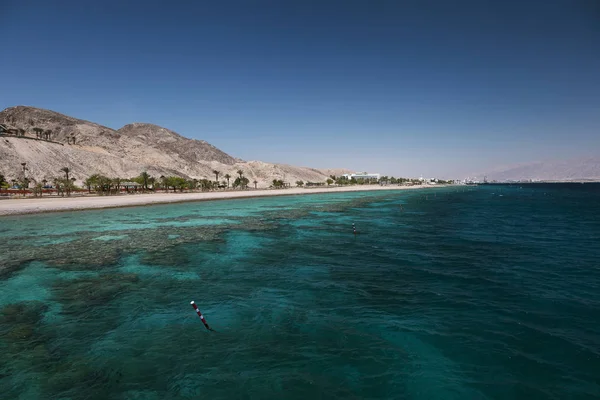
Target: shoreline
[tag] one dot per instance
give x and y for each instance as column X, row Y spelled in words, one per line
column 13, row 207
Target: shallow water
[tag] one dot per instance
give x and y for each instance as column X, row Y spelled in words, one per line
column 466, row 293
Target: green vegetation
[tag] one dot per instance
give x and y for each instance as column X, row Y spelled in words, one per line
column 23, row 183
column 90, row 182
column 241, row 182
column 117, row 184
column 278, row 183
column 144, row 179
column 206, row 185
column 104, row 185
column 174, row 182
column 67, row 186
column 37, row 189
column 216, row 175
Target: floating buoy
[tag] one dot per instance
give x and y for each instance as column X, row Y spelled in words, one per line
column 201, row 316
column 354, row 228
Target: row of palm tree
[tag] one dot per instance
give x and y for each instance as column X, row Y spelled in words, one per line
column 145, row 182
column 40, row 133
column 228, row 177
column 43, row 134
column 63, row 185
column 104, row 185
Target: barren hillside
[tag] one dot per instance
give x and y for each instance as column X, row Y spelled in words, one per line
column 88, row 148
column 579, row 169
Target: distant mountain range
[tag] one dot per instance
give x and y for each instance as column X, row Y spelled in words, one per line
column 578, row 169
column 88, row 148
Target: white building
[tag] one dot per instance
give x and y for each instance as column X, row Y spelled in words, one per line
column 363, row 175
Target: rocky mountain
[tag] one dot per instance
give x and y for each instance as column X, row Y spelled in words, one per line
column 50, row 141
column 578, row 169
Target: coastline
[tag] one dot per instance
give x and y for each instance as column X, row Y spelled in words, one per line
column 44, row 205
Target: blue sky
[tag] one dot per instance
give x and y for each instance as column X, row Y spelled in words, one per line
column 397, row 87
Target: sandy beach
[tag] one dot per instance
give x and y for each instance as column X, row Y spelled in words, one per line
column 41, row 205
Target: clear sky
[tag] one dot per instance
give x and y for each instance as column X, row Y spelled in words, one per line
column 439, row 88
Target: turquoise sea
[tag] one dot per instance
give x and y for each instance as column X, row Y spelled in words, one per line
column 489, row 292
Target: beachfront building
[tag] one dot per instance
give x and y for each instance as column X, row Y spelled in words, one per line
column 363, row 175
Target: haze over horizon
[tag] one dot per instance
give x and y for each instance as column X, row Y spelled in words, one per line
column 400, row 88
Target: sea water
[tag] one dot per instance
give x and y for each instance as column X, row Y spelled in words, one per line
column 489, row 292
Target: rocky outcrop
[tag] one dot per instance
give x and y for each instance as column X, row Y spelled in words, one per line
column 88, row 148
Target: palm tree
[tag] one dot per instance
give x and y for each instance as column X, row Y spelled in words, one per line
column 25, row 183
column 152, row 181
column 59, row 186
column 241, row 174
column 227, row 176
column 71, row 184
column 38, row 188
column 216, row 175
column 66, row 170
column 117, row 183
column 255, row 182
column 205, row 184
column 145, row 176
column 92, row 181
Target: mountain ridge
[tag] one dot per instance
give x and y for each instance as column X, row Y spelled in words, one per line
column 574, row 169
column 88, row 147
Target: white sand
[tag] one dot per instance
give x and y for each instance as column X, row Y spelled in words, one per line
column 39, row 205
